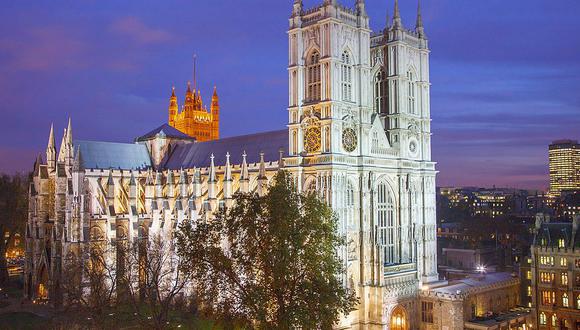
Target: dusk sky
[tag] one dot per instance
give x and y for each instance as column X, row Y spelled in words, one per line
column 505, row 74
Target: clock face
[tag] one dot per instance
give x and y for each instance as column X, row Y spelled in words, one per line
column 349, row 140
column 312, row 141
column 413, row 147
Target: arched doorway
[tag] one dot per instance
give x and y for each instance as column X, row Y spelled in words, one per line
column 42, row 292
column 399, row 320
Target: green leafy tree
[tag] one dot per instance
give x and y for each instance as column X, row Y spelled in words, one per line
column 13, row 214
column 269, row 262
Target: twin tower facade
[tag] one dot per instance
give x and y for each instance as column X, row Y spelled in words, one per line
column 359, row 130
column 358, row 134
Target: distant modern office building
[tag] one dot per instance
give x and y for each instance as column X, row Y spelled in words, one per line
column 555, row 275
column 564, row 166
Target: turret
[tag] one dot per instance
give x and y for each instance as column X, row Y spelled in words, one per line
column 132, row 207
column 228, row 179
column 419, row 27
column 182, row 185
column 111, row 194
column 173, row 107
column 360, row 8
column 297, row 8
column 388, row 23
column 215, row 114
column 397, row 22
column 51, row 151
column 245, row 175
column 69, row 149
column 170, row 186
column 149, row 191
column 262, row 179
column 211, row 185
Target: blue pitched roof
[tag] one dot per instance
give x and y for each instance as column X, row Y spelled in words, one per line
column 198, row 154
column 108, row 155
column 165, row 130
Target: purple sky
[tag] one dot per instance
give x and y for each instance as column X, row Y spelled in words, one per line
column 505, row 74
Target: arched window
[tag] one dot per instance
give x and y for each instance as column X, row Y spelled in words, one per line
column 381, row 92
column 349, row 203
column 554, row 320
column 386, row 223
column 294, row 143
column 411, row 93
column 543, row 318
column 346, row 77
column 327, row 139
column 313, row 80
column 564, row 278
column 578, row 301
column 375, row 142
column 565, row 301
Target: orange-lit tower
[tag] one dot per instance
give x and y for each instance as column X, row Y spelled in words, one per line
column 173, row 107
column 215, row 113
column 194, row 119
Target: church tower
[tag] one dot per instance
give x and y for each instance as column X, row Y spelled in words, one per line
column 359, row 136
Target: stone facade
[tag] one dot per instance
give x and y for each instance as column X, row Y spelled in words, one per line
column 454, row 305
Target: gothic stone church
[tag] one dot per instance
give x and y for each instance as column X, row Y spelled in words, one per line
column 358, row 134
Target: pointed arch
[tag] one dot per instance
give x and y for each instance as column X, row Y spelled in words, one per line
column 412, row 104
column 381, row 91
column 387, row 222
column 313, row 77
column 346, row 74
column 399, row 319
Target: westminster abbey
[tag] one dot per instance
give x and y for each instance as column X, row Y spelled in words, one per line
column 358, row 133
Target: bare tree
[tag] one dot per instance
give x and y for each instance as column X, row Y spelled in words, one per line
column 89, row 282
column 154, row 279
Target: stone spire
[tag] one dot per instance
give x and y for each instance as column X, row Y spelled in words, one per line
column 68, row 148
column 212, row 176
column 228, row 174
column 228, row 179
column 360, row 8
column 61, row 151
column 51, row 150
column 397, row 22
column 132, row 202
column 262, row 179
column 173, row 107
column 297, row 8
column 420, row 29
column 244, row 177
column 110, row 195
column 211, row 185
column 182, row 183
column 78, row 161
column 281, row 163
column 170, row 184
column 388, row 25
column 69, row 139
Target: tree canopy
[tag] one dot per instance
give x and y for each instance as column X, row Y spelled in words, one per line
column 269, row 261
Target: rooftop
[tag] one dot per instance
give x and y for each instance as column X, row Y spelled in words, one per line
column 469, row 285
column 198, row 154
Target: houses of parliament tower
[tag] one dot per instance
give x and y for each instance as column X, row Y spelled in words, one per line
column 193, row 119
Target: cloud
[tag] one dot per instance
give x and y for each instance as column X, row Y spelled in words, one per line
column 133, row 28
column 42, row 49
